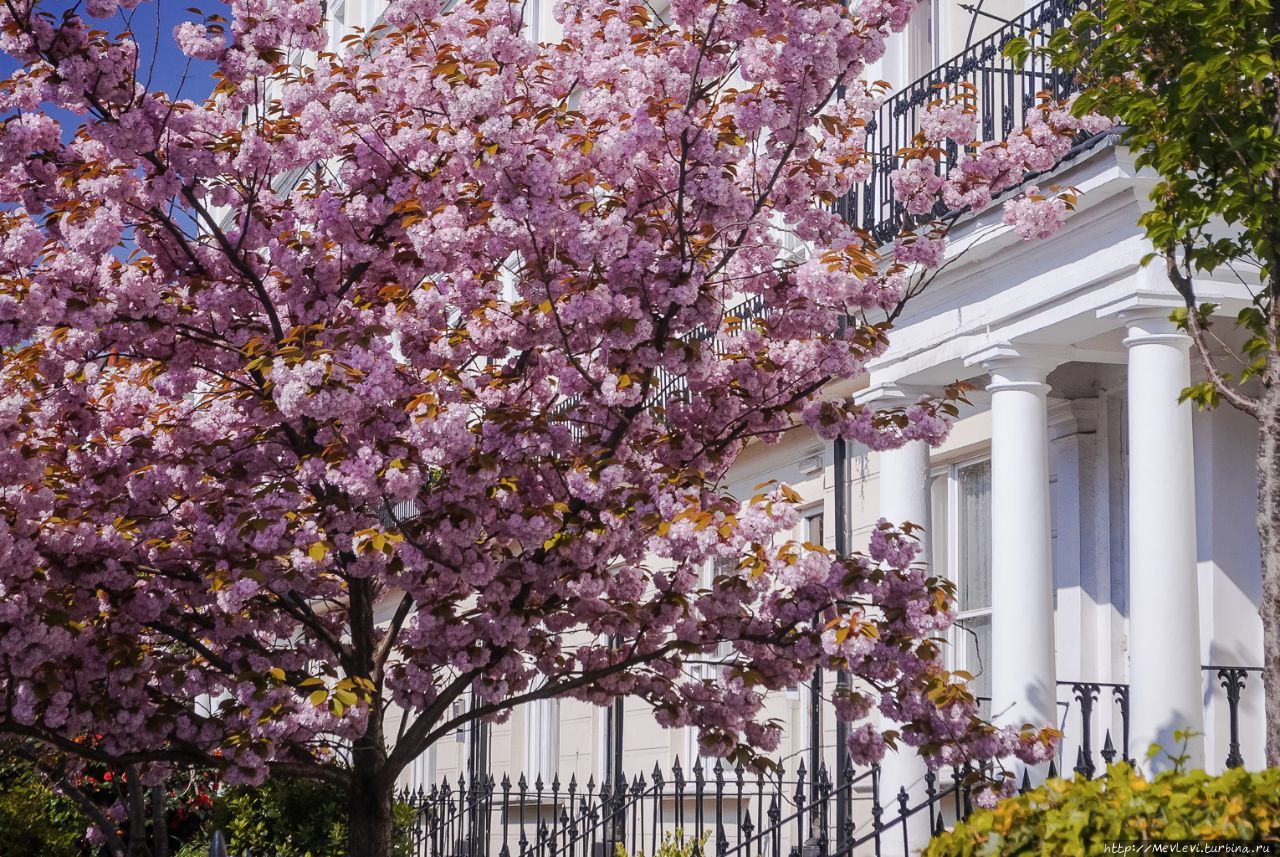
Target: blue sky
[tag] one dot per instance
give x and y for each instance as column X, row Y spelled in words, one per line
column 152, row 24
column 166, row 74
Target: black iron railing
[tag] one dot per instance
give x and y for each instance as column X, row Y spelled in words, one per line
column 1233, row 680
column 1085, row 714
column 736, row 812
column 1004, row 94
column 715, row 810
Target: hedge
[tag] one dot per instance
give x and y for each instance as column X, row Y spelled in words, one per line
column 1074, row 818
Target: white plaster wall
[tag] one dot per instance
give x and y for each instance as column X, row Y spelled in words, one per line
column 1229, row 573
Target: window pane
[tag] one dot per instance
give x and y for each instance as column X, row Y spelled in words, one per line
column 337, row 22
column 721, row 566
column 975, row 642
column 974, row 572
column 813, row 533
column 543, row 738
column 938, row 525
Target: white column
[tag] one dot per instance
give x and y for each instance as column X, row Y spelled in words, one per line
column 904, row 496
column 1164, row 627
column 1023, row 678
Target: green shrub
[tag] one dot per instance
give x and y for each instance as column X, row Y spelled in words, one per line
column 36, row 821
column 672, row 845
column 288, row 818
column 1078, row 817
column 284, row 817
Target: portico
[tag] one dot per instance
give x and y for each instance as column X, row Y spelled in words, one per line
column 1095, row 571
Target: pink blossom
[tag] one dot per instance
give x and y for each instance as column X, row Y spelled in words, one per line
column 1034, row 215
column 197, row 42
column 398, row 385
column 917, row 184
column 949, row 120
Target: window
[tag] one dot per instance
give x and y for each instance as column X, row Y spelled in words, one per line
column 691, row 752
column 961, row 547
column 811, row 528
column 529, row 11
column 793, row 249
column 460, row 708
column 921, row 54
column 705, row 666
column 422, row 773
column 337, row 23
column 721, row 565
column 542, row 739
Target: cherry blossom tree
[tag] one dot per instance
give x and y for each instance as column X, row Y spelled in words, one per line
column 411, row 373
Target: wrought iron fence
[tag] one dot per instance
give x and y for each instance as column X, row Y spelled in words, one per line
column 716, row 810
column 1092, row 706
column 1233, row 680
column 737, row 812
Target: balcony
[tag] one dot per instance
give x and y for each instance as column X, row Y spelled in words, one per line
column 1004, row 94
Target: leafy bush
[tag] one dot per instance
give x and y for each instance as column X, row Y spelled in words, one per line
column 281, row 818
column 288, row 818
column 672, row 845
column 1077, row 817
column 35, row 821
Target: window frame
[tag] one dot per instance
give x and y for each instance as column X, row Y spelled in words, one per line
column 337, row 27
column 542, row 739
column 809, row 513
column 959, row 637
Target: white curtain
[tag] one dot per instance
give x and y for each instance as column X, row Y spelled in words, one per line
column 974, row 573
column 542, row 739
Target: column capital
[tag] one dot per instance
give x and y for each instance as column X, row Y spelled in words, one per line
column 889, row 394
column 1146, row 317
column 1017, row 367
column 1150, row 325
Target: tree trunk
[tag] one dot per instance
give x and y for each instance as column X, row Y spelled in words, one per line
column 371, row 827
column 1269, row 536
column 370, row 793
column 370, row 823
column 137, row 813
column 159, row 823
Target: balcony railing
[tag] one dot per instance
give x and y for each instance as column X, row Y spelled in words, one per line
column 1004, row 94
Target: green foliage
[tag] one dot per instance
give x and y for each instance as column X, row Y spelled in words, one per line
column 1076, row 818
column 35, row 821
column 672, row 845
column 1193, row 82
column 282, row 818
column 289, row 818
column 1194, row 85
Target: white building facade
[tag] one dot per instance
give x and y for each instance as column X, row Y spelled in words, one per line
column 1101, row 534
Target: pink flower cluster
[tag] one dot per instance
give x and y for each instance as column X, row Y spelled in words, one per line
column 916, row 185
column 949, row 120
column 1033, row 215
